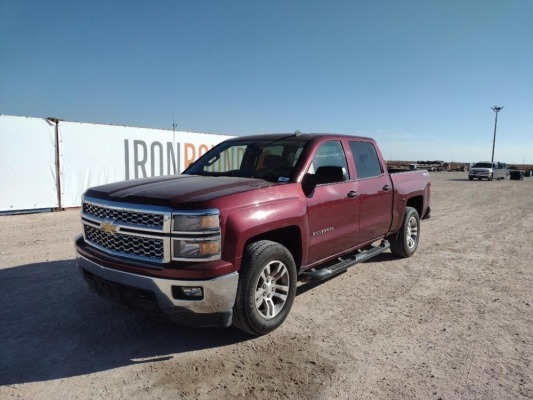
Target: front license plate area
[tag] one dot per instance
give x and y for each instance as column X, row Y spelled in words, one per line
column 108, row 290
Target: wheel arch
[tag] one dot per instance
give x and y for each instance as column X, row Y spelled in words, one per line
column 416, row 202
column 283, row 222
column 289, row 237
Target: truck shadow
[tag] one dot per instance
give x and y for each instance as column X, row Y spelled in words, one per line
column 52, row 327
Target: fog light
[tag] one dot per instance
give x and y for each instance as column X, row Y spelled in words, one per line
column 188, row 292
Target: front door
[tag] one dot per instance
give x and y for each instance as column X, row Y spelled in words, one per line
column 333, row 207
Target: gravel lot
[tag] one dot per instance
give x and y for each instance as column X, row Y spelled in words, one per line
column 455, row 321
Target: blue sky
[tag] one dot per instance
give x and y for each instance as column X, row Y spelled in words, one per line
column 419, row 76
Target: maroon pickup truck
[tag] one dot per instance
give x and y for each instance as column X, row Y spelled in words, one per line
column 227, row 241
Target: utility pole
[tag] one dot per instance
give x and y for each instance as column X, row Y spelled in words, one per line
column 496, row 110
column 174, row 125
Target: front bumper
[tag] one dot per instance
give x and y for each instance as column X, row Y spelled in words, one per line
column 484, row 173
column 214, row 309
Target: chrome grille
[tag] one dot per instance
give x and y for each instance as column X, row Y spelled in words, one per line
column 145, row 219
column 127, row 245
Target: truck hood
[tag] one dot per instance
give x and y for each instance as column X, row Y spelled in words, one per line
column 175, row 191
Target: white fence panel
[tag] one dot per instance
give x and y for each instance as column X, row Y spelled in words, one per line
column 94, row 154
column 27, row 164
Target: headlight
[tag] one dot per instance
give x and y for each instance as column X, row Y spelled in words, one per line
column 196, row 235
column 196, row 249
column 192, row 223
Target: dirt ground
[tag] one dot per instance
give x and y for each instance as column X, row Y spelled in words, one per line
column 455, row 321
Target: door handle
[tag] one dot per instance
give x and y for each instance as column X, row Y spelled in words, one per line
column 386, row 188
column 352, row 194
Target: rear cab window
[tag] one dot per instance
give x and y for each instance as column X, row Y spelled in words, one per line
column 366, row 160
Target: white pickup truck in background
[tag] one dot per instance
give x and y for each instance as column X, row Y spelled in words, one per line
column 488, row 170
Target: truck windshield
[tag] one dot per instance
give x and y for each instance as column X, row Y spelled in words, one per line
column 483, row 165
column 271, row 160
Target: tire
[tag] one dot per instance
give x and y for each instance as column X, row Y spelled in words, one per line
column 405, row 242
column 470, row 178
column 266, row 289
column 491, row 177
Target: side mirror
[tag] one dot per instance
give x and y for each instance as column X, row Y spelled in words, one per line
column 308, row 184
column 323, row 175
column 329, row 174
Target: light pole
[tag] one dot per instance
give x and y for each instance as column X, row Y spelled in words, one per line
column 496, row 110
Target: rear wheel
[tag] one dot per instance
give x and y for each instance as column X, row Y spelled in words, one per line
column 267, row 287
column 405, row 242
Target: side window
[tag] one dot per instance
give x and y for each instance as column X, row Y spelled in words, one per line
column 330, row 154
column 366, row 160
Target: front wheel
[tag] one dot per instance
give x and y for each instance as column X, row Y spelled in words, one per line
column 405, row 242
column 267, row 287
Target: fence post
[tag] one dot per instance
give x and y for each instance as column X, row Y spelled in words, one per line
column 58, row 164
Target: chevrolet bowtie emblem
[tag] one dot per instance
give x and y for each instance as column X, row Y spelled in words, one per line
column 108, row 227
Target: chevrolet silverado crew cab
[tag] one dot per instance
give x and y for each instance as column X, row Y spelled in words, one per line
column 227, row 241
column 488, row 170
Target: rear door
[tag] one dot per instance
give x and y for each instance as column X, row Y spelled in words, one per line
column 375, row 191
column 500, row 171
